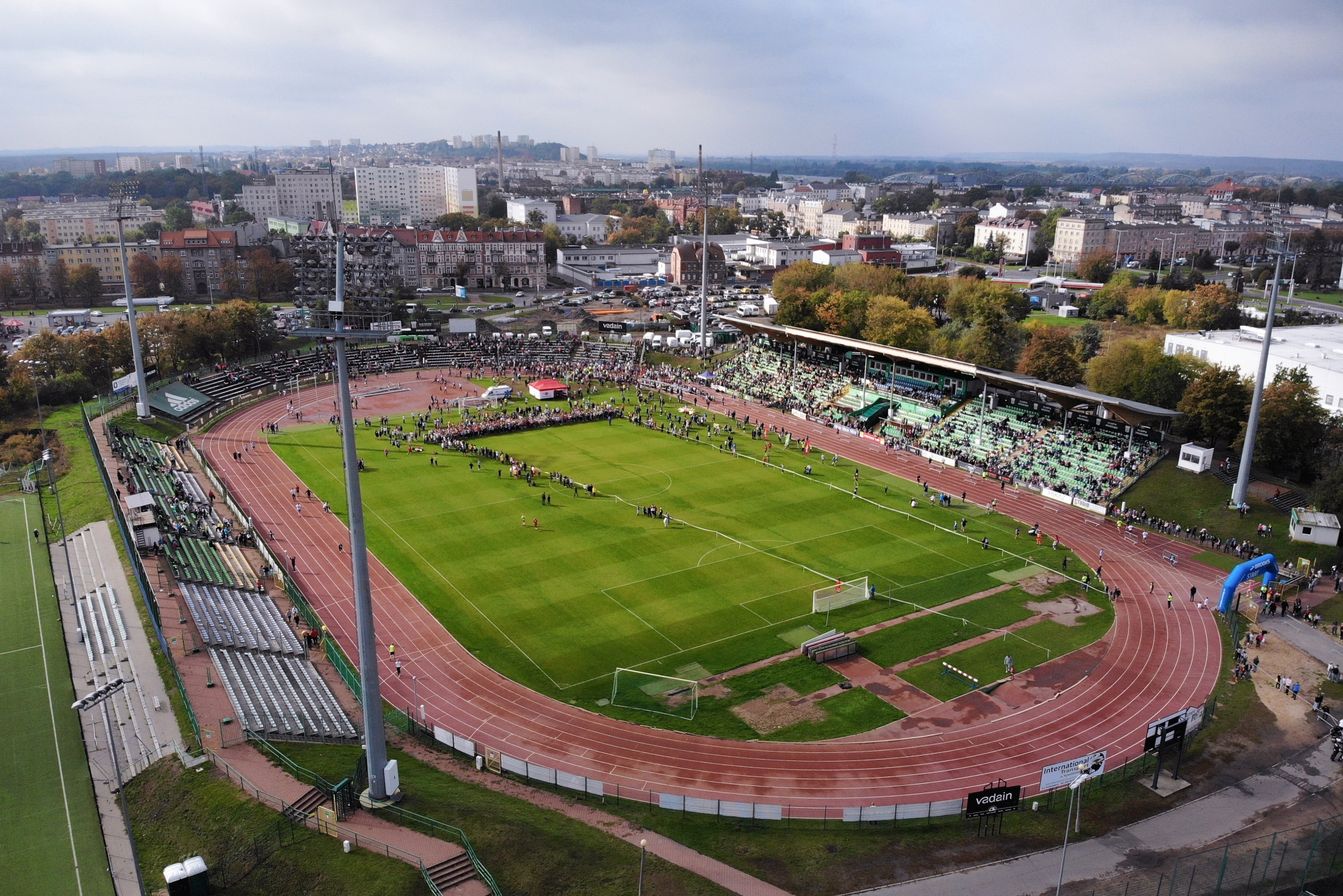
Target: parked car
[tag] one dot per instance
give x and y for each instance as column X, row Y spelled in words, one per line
column 518, row 294
column 423, row 289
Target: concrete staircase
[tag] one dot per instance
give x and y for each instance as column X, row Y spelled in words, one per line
column 457, row 877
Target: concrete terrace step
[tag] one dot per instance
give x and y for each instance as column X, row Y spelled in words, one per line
column 454, row 872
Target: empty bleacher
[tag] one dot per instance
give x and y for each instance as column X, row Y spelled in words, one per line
column 280, row 695
column 229, row 617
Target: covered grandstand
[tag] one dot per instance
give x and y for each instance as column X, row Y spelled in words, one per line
column 1061, row 440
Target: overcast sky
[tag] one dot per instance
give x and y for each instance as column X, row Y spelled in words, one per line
column 1223, row 77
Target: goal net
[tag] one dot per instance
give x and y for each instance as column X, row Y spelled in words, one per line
column 662, row 694
column 840, row 594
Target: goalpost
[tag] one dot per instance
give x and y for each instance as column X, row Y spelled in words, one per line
column 662, row 694
column 840, row 594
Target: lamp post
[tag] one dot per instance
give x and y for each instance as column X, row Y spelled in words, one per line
column 120, row 214
column 99, row 698
column 1084, row 773
column 643, row 855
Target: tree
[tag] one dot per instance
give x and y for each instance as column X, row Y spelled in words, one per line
column 1147, row 305
column 457, row 221
column 1209, row 307
column 554, row 240
column 1088, row 338
column 893, row 321
column 172, row 276
column 86, row 283
column 151, row 230
column 58, row 280
column 9, row 283
column 1050, row 355
column 843, row 312
column 1215, row 405
column 994, row 339
column 266, row 276
column 1290, row 419
column 30, row 279
column 176, row 216
column 536, row 219
column 1138, row 369
column 236, row 214
column 144, row 275
column 1096, row 265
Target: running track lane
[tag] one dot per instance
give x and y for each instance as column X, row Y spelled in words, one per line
column 1154, row 661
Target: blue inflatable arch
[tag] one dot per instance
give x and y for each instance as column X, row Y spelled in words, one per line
column 1264, row 563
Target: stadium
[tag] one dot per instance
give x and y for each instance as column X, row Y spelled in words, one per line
column 975, row 473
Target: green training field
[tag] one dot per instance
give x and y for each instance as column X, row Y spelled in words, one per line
column 48, row 821
column 599, row 586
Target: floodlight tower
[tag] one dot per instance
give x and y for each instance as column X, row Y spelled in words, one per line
column 123, row 195
column 1238, row 493
column 704, row 264
column 375, row 741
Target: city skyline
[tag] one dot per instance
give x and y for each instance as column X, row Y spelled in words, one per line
column 965, row 77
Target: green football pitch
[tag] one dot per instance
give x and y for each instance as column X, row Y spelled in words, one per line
column 49, row 831
column 599, row 586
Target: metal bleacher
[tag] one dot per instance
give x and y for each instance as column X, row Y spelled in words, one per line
column 280, row 696
column 229, row 617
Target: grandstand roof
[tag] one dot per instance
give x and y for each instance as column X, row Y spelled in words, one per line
column 853, row 345
column 1123, row 406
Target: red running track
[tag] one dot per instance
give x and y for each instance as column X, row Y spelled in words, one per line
column 1154, row 661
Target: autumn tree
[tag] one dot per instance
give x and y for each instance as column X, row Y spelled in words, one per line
column 9, row 283
column 30, row 279
column 1050, row 355
column 58, row 280
column 893, row 321
column 172, row 276
column 1215, row 405
column 1291, row 424
column 1096, row 265
column 144, row 275
column 86, row 284
column 1147, row 305
column 842, row 312
column 1208, row 307
column 1138, row 369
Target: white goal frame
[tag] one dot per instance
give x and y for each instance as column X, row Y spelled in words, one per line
column 655, row 687
column 840, row 594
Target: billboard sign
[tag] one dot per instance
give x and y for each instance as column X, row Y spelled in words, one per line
column 1170, row 730
column 993, row 800
column 1061, row 774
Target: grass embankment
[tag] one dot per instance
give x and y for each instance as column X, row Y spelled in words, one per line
column 249, row 848
column 1200, row 501
column 528, row 849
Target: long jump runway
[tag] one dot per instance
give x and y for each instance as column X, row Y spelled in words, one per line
column 1153, row 662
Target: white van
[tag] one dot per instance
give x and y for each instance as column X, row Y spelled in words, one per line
column 497, row 393
column 547, row 330
column 746, row 309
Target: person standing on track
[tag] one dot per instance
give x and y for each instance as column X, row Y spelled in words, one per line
column 1170, row 600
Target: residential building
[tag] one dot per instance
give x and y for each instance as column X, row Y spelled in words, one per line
column 1076, row 236
column 661, row 158
column 85, row 221
column 129, row 164
column 687, row 261
column 504, row 259
column 520, row 211
column 1223, row 191
column 592, row 154
column 207, row 255
column 262, row 200
column 105, row 257
column 587, row 228
column 1161, row 212
column 838, row 222
column 1014, row 237
column 571, row 155
column 308, row 193
column 80, row 167
column 459, row 186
